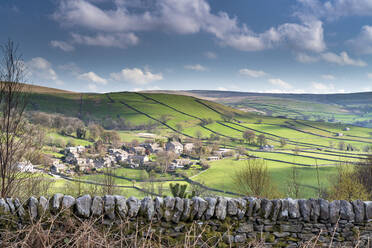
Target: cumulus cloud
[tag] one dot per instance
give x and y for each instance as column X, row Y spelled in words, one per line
column 42, row 68
column 92, row 77
column 328, row 77
column 187, row 17
column 196, row 67
column 136, row 76
column 65, row 46
column 252, row 73
column 363, row 42
column 280, row 83
column 342, row 59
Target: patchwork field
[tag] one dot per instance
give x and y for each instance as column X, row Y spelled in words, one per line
column 308, row 143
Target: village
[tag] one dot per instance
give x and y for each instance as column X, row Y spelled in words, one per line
column 169, row 156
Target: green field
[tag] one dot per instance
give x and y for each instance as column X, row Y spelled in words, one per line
column 309, row 143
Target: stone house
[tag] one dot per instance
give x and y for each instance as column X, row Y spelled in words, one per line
column 107, row 161
column 138, row 160
column 188, row 147
column 174, row 146
column 222, row 152
column 74, row 149
column 57, row 168
column 138, row 150
column 180, row 163
column 120, row 155
column 86, row 162
column 150, row 146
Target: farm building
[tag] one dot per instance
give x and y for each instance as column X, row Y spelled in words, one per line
column 174, row 146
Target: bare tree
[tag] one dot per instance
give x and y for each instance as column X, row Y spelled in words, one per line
column 164, row 160
column 254, row 179
column 294, row 183
column 108, row 182
column 15, row 132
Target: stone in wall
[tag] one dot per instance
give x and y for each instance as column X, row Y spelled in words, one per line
column 236, row 220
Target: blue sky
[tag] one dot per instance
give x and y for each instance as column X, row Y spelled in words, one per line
column 262, row 46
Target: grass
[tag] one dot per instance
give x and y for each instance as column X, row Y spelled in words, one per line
column 66, row 139
column 220, row 176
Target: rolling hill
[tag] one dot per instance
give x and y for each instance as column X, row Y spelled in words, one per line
column 352, row 108
column 308, row 143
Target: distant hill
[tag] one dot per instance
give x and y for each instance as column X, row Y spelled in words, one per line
column 353, row 108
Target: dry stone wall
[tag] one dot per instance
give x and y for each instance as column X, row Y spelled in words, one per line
column 280, row 223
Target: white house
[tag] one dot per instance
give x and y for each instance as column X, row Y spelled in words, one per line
column 25, row 166
column 74, row 149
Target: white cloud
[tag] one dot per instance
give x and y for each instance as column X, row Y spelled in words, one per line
column 196, row 67
column 41, row 69
column 304, row 58
column 369, row 75
column 92, row 77
column 363, row 42
column 185, row 17
column 210, row 55
column 342, row 59
column 106, row 40
column 62, row 45
column 252, row 73
column 330, row 57
column 136, row 76
column 280, row 83
column 307, row 36
column 334, row 9
column 328, row 77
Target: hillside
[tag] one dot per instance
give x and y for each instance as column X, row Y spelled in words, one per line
column 352, row 108
column 307, row 143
